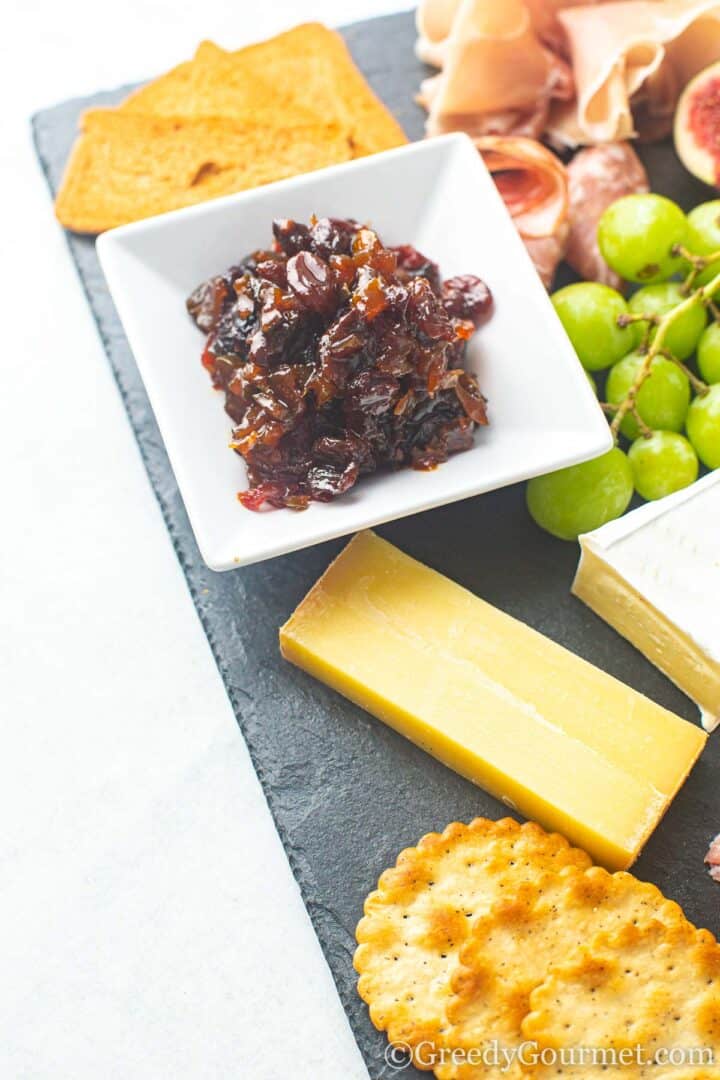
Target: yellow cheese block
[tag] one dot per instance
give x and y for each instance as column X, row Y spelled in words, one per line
column 539, row 728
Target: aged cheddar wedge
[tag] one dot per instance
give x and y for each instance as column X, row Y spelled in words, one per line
column 655, row 576
column 536, row 726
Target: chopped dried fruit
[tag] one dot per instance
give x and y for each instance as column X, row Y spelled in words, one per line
column 338, row 357
column 467, row 297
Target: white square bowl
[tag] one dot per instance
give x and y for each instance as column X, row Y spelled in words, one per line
column 436, row 195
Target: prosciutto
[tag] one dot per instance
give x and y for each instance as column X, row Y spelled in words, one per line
column 533, row 185
column 712, row 859
column 434, row 19
column 630, row 60
column 578, row 73
column 597, row 176
column 497, row 77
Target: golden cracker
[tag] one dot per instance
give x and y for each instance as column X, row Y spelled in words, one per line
column 656, row 986
column 512, row 948
column 422, row 912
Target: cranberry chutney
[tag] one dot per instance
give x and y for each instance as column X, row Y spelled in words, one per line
column 339, row 357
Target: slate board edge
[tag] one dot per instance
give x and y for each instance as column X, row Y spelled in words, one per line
column 177, row 539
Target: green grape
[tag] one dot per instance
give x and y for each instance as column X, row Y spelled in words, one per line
column 589, row 312
column 703, row 236
column 662, row 463
column 703, row 427
column 708, row 354
column 662, row 400
column 636, row 234
column 684, row 334
column 582, row 497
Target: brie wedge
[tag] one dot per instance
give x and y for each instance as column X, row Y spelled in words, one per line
column 654, row 575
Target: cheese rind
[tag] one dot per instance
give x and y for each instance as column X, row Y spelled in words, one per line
column 654, row 575
column 541, row 729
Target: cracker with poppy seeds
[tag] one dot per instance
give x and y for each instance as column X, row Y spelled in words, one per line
column 654, row 987
column 422, row 913
column 513, row 948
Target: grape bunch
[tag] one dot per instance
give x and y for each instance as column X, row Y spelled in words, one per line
column 658, row 356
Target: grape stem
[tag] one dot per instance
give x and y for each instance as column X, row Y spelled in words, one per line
column 633, row 317
column 650, row 320
column 698, row 385
column 698, row 263
column 656, row 347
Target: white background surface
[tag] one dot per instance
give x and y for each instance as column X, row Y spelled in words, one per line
column 149, row 923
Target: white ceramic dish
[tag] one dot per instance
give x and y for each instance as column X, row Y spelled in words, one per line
column 435, row 194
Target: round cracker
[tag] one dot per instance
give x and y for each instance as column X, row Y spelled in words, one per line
column 653, row 986
column 511, row 950
column 422, row 913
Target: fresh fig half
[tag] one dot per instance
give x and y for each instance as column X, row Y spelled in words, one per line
column 697, row 125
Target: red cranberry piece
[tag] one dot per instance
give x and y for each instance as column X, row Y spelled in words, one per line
column 467, row 297
column 313, row 282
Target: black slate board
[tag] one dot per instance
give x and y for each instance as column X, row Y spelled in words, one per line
column 347, row 794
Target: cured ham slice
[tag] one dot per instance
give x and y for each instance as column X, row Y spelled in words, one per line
column 434, row 20
column 712, row 859
column 497, row 76
column 505, row 65
column 596, row 177
column 544, row 15
column 643, row 50
column 533, row 184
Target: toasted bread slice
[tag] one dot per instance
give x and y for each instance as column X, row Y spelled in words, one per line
column 220, row 123
column 311, row 65
column 163, row 95
column 212, row 84
column 304, row 75
column 126, row 166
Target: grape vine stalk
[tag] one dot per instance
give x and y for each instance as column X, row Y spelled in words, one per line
column 654, row 345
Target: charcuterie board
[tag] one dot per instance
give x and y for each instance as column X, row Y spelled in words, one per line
column 347, row 794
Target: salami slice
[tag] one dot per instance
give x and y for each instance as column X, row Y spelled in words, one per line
column 596, row 177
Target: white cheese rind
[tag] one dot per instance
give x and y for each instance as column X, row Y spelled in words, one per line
column 654, row 575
